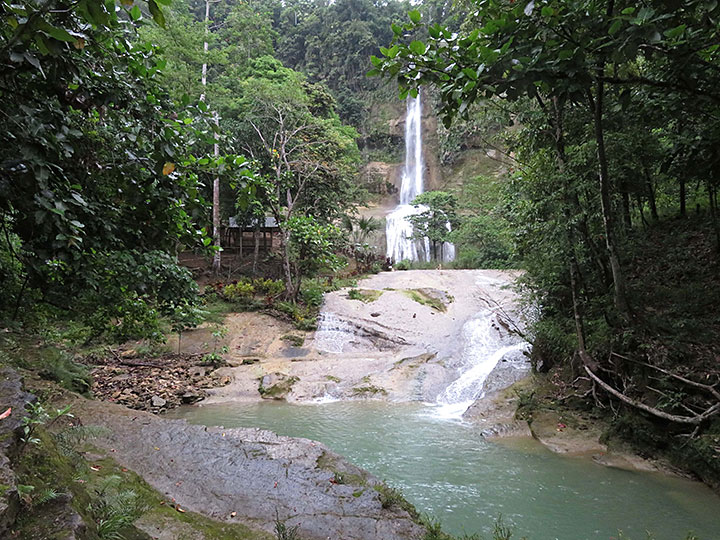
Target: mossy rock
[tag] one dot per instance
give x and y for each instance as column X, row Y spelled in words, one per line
column 433, row 298
column 369, row 390
column 293, row 339
column 364, row 295
column 276, row 385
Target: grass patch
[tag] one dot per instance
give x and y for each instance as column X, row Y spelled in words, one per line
column 426, row 300
column 216, row 309
column 333, row 378
column 364, row 295
column 392, row 497
column 293, row 339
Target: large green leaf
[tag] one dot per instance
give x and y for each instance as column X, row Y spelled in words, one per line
column 156, row 12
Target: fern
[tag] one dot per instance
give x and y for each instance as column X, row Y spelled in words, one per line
column 116, row 510
column 45, row 496
column 283, row 532
column 68, row 440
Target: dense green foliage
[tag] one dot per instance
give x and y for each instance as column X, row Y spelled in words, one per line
column 616, row 113
column 116, row 127
column 95, row 191
column 108, row 159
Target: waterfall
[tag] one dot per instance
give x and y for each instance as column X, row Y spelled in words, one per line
column 398, row 230
column 332, row 334
column 483, row 347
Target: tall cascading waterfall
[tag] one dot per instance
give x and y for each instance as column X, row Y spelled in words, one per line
column 398, row 230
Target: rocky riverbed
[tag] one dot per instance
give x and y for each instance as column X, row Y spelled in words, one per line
column 396, row 336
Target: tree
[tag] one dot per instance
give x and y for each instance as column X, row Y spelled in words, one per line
column 96, row 186
column 561, row 50
column 308, row 156
column 436, row 220
column 610, row 87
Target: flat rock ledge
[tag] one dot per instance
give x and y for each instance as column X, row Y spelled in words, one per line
column 249, row 475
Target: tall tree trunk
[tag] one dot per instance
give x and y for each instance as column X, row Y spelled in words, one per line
column 596, row 104
column 205, row 50
column 683, row 197
column 216, row 212
column 569, row 230
column 256, row 249
column 216, row 264
column 650, row 194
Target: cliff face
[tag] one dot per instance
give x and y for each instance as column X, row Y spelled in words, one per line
column 384, row 149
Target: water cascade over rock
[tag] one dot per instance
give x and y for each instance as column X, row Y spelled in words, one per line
column 398, row 230
column 483, row 348
column 333, row 333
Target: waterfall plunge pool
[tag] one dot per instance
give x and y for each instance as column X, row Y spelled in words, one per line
column 448, row 470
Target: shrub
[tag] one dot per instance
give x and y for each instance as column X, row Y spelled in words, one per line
column 312, row 292
column 269, row 287
column 239, row 291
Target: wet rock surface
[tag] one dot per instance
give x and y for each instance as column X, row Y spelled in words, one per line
column 249, row 474
column 360, row 347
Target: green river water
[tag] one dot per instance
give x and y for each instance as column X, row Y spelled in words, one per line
column 448, row 470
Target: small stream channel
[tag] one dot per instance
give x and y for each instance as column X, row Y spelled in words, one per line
column 448, row 470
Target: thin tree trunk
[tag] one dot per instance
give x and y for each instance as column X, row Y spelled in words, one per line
column 712, row 195
column 579, row 325
column 287, row 266
column 205, row 50
column 683, row 198
column 216, row 151
column 640, row 204
column 20, row 296
column 216, row 212
column 620, row 295
column 256, row 251
column 574, row 267
column 627, row 218
column 650, row 194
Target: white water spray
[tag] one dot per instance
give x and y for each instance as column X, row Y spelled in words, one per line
column 398, row 230
column 483, row 348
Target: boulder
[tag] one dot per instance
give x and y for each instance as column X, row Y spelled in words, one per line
column 157, row 401
column 276, row 385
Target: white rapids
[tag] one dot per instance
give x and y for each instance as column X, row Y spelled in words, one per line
column 483, row 347
column 333, row 333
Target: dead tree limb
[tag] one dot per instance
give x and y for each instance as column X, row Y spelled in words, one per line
column 695, row 420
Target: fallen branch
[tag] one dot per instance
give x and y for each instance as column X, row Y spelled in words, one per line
column 707, row 387
column 690, row 420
